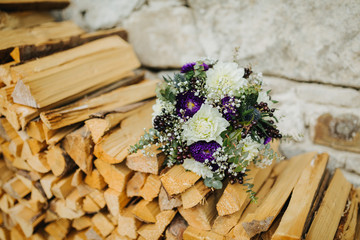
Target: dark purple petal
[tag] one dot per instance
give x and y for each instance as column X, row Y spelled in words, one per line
column 206, row 67
column 229, row 111
column 189, row 103
column 188, row 67
column 202, row 150
column 267, row 140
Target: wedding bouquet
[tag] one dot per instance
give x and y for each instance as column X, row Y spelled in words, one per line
column 214, row 119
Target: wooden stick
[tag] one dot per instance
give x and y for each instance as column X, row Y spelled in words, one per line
column 114, row 147
column 22, row 5
column 176, row 180
column 47, row 182
column 128, row 224
column 58, row 229
column 167, row 202
column 59, row 161
column 63, row 188
column 293, row 220
column 327, row 219
column 24, row 19
column 151, row 188
column 194, row 195
column 150, row 163
column 115, row 201
column 35, row 130
column 266, row 213
column 116, row 176
column 193, row 233
column 176, row 228
column 146, row 211
column 81, row 223
column 154, row 231
column 95, row 180
column 103, row 224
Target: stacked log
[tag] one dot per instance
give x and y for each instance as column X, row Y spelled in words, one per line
column 69, row 117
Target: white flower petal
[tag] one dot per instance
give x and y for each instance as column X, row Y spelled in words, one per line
column 198, row 168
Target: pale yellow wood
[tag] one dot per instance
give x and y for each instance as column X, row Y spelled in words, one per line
column 192, row 233
column 81, row 223
column 58, row 160
column 89, row 205
column 35, row 130
column 176, row 180
column 128, row 224
column 95, row 180
column 115, row 201
column 154, row 231
column 39, row 162
column 74, row 200
column 194, row 195
column 293, row 220
column 114, row 147
column 327, row 219
column 103, row 224
column 62, row 188
column 266, row 213
column 55, row 136
column 24, row 19
column 47, row 182
column 149, row 163
column 116, row 176
column 93, row 233
column 151, row 188
column 78, row 178
column 146, row 211
column 201, row 216
column 98, row 197
column 167, row 202
column 176, row 228
column 17, row 187
column 134, row 185
column 58, row 229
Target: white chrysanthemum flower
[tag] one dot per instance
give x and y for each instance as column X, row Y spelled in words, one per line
column 207, row 124
column 264, row 97
column 159, row 105
column 224, row 79
column 251, row 147
column 198, row 168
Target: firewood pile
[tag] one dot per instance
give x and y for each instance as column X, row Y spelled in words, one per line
column 73, row 102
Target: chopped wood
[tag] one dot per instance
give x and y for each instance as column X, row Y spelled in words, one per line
column 201, row 216
column 55, row 136
column 115, row 175
column 74, row 200
column 35, row 130
column 194, row 195
column 154, row 231
column 21, row 5
column 95, row 180
column 16, row 142
column 50, row 216
column 35, row 35
column 103, row 224
column 135, row 184
column 151, row 188
column 27, row 218
column 79, row 146
column 146, row 211
column 16, row 233
column 93, row 233
column 35, row 145
column 98, row 198
column 58, row 229
column 114, row 147
column 17, row 187
column 78, row 178
column 104, row 67
column 266, row 214
column 327, row 219
column 128, row 224
column 59, row 161
column 279, row 168
column 347, row 226
column 167, row 202
column 293, row 220
column 23, row 19
column 176, row 180
column 89, row 205
column 192, row 233
column 62, row 188
column 81, row 223
column 176, row 228
column 39, row 162
column 150, row 163
column 115, row 201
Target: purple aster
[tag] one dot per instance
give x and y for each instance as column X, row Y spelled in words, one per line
column 267, row 140
column 188, row 67
column 228, row 111
column 189, row 103
column 204, row 150
column 206, row 67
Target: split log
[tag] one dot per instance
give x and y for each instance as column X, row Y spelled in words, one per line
column 65, row 212
column 63, row 187
column 201, row 216
column 95, row 180
column 193, row 233
column 115, row 201
column 167, row 202
column 116, row 176
column 104, row 67
column 93, row 233
column 73, row 200
column 35, row 130
column 176, row 228
column 55, row 136
column 78, row 178
column 194, row 195
column 81, row 223
column 98, row 198
column 47, row 182
column 294, row 218
column 21, row 5
column 128, row 224
column 89, row 205
column 35, row 146
column 35, row 35
column 39, row 162
column 151, row 188
column 154, row 231
column 176, row 180
column 114, row 147
column 58, row 229
column 266, row 213
column 135, row 184
column 146, row 211
column 327, row 219
column 79, row 146
column 103, row 224
column 150, row 163
column 18, row 187
column 23, row 19
column 59, row 161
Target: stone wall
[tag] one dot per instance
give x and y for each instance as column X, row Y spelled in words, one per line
column 308, row 51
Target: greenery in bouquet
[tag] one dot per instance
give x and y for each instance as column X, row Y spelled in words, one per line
column 215, row 119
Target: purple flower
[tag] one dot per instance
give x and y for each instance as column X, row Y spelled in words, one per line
column 204, row 150
column 188, row 67
column 187, row 104
column 229, row 111
column 206, row 67
column 267, row 140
